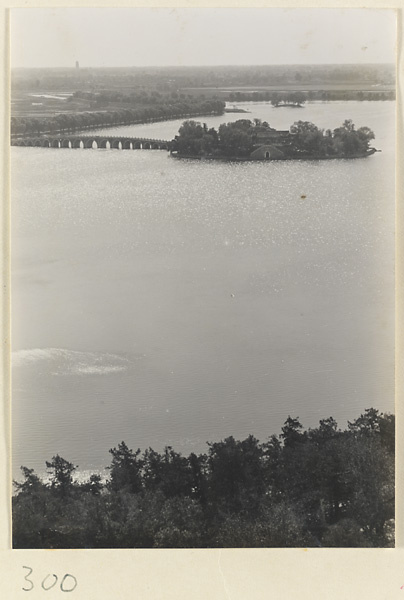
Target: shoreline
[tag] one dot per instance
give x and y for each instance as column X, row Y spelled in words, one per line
column 284, row 159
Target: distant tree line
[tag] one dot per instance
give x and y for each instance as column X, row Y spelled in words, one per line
column 72, row 121
column 177, row 78
column 312, row 95
column 139, row 97
column 239, row 138
column 320, row 487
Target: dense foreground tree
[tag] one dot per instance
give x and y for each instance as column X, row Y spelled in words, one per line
column 320, row 487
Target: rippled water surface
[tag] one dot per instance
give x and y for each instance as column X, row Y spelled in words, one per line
column 160, row 301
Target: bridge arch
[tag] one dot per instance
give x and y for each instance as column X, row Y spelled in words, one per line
column 93, row 141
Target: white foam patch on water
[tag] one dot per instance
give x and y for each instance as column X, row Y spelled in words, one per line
column 61, row 361
column 98, row 370
column 23, row 357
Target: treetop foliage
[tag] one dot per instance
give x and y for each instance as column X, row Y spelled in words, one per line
column 315, row 487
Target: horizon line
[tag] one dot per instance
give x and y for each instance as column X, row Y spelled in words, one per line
column 173, row 66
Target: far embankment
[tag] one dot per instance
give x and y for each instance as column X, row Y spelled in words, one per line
column 38, row 123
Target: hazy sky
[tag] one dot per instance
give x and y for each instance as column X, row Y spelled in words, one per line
column 113, row 37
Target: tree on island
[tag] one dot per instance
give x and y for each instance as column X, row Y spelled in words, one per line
column 194, row 138
column 352, row 141
column 343, row 141
column 235, row 138
column 296, row 99
column 307, row 136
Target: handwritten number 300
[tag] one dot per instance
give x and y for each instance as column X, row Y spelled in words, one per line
column 68, row 583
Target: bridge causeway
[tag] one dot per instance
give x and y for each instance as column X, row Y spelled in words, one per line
column 92, row 142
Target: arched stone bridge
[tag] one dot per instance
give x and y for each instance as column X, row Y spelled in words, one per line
column 93, row 141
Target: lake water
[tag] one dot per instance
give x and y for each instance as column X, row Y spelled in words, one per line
column 166, row 302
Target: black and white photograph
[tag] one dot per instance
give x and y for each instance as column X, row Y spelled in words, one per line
column 203, row 208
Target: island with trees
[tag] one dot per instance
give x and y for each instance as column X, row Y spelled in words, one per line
column 248, row 140
column 321, row 487
column 291, row 99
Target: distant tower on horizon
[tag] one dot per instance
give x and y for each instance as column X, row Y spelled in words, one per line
column 77, row 64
